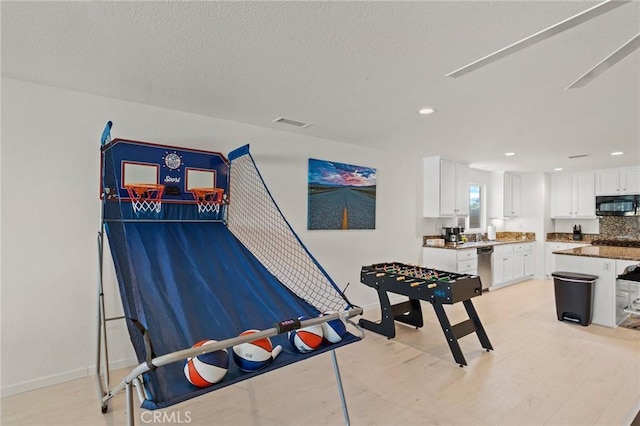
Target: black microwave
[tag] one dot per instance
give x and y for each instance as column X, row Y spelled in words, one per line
column 618, row 205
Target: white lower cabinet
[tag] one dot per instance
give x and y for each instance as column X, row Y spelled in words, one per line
column 523, row 260
column 503, row 271
column 529, row 263
column 511, row 263
column 464, row 261
column 518, row 265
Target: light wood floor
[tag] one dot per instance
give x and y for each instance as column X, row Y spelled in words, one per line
column 542, row 371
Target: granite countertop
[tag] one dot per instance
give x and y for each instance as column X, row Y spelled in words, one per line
column 608, row 252
column 502, row 237
column 476, row 244
column 567, row 237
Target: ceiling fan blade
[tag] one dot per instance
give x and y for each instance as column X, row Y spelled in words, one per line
column 561, row 26
column 607, row 63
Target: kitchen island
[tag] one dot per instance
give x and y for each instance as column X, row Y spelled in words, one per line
column 607, row 252
column 606, row 262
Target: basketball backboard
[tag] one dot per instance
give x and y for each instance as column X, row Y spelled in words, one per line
column 178, row 169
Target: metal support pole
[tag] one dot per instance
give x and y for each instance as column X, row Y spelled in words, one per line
column 130, row 418
column 102, row 330
column 345, row 412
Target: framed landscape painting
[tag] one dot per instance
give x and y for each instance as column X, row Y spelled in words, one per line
column 341, row 196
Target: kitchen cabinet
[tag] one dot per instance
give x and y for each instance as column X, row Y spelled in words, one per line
column 523, row 260
column 550, row 263
column 503, row 271
column 463, row 261
column 507, row 267
column 573, row 195
column 630, row 180
column 512, row 194
column 504, row 195
column 618, row 181
column 445, row 188
column 529, row 263
column 518, row 265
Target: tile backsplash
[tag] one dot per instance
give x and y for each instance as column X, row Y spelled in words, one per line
column 620, row 226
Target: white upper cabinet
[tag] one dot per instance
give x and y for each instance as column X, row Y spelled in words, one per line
column 505, row 195
column 630, row 179
column 446, row 188
column 562, row 195
column 618, row 181
column 461, row 207
column 512, row 194
column 584, row 195
column 573, row 195
column 608, row 182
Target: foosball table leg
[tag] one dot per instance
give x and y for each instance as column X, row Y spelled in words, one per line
column 449, row 334
column 409, row 313
column 482, row 335
column 386, row 326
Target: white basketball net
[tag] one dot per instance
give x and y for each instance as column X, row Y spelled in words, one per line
column 208, row 199
column 146, row 205
column 204, row 207
column 145, row 198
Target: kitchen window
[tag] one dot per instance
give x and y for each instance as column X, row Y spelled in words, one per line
column 477, row 211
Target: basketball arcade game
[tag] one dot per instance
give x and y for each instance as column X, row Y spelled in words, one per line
column 431, row 285
column 197, row 243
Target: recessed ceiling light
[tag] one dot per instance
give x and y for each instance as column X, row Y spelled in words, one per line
column 617, row 153
column 509, row 154
column 557, row 169
column 427, row 111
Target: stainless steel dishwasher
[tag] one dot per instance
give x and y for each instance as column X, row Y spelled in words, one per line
column 485, row 266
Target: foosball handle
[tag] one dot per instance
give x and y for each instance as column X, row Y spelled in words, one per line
column 276, row 351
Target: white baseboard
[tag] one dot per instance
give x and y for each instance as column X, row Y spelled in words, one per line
column 517, row 281
column 507, row 284
column 58, row 378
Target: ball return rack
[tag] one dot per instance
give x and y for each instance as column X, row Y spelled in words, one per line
column 436, row 287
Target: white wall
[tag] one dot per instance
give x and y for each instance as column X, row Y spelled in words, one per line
column 589, row 226
column 50, row 147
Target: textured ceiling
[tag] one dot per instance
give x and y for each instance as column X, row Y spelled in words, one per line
column 358, row 71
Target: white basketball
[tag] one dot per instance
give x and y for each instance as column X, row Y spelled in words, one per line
column 306, row 339
column 207, row 369
column 254, row 355
column 333, row 330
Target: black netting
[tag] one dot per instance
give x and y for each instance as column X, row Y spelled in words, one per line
column 255, row 219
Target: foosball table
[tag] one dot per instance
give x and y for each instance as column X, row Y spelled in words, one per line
column 436, row 287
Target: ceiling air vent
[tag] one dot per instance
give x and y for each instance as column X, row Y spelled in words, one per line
column 291, row 122
column 572, row 157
